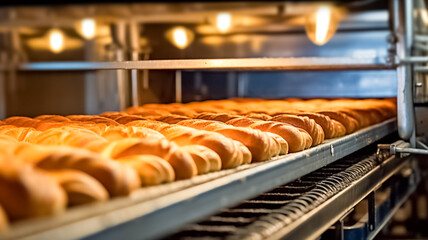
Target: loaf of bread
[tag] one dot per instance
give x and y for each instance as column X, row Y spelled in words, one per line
column 92, row 119
column 22, row 122
column 261, row 146
column 53, row 118
column 182, row 162
column 78, row 137
column 309, row 125
column 26, row 192
column 206, row 159
column 79, row 187
column 22, row 134
column 329, row 128
column 69, row 136
column 230, row 152
column 350, row 124
column 117, row 179
column 297, row 139
column 152, row 170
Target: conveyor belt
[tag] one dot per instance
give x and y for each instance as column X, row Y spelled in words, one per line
column 283, row 204
column 279, row 213
column 175, row 204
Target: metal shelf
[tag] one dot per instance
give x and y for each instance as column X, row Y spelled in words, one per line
column 137, row 217
column 304, row 63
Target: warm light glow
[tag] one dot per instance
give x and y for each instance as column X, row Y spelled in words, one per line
column 88, row 28
column 322, row 24
column 223, row 22
column 56, row 40
column 424, row 16
column 181, row 37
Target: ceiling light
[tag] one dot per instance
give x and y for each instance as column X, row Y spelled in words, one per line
column 223, row 21
column 87, row 28
column 322, row 24
column 56, row 40
column 180, row 37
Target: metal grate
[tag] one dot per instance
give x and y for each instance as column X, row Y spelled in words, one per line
column 261, row 216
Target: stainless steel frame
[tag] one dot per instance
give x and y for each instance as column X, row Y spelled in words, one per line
column 339, row 63
column 403, row 29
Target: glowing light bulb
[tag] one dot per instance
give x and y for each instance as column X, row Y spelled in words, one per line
column 56, row 40
column 223, row 21
column 323, row 21
column 180, row 37
column 321, row 25
column 88, row 28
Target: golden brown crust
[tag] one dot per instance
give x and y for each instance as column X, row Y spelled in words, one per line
column 93, row 119
column 350, row 124
column 22, row 122
column 71, row 136
column 182, row 162
column 309, row 125
column 52, row 118
column 117, row 179
column 292, row 135
column 79, row 187
column 205, row 159
column 27, row 192
column 256, row 141
column 151, row 169
column 183, row 136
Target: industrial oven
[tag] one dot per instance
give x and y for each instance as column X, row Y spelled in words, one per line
column 90, row 57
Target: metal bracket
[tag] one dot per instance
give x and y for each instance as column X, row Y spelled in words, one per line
column 338, row 226
column 372, row 210
column 400, row 147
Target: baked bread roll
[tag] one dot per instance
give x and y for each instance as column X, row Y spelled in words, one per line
column 79, row 187
column 206, row 159
column 309, row 125
column 261, row 146
column 322, row 120
column 283, row 145
column 350, row 124
column 182, row 162
column 152, row 170
column 52, row 118
column 26, row 192
column 22, row 122
column 73, row 137
column 339, row 129
column 229, row 152
column 128, row 118
column 118, row 180
column 93, row 119
column 296, row 139
column 261, row 116
column 22, row 134
column 113, row 133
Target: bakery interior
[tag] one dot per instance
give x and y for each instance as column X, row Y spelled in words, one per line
column 214, row 120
